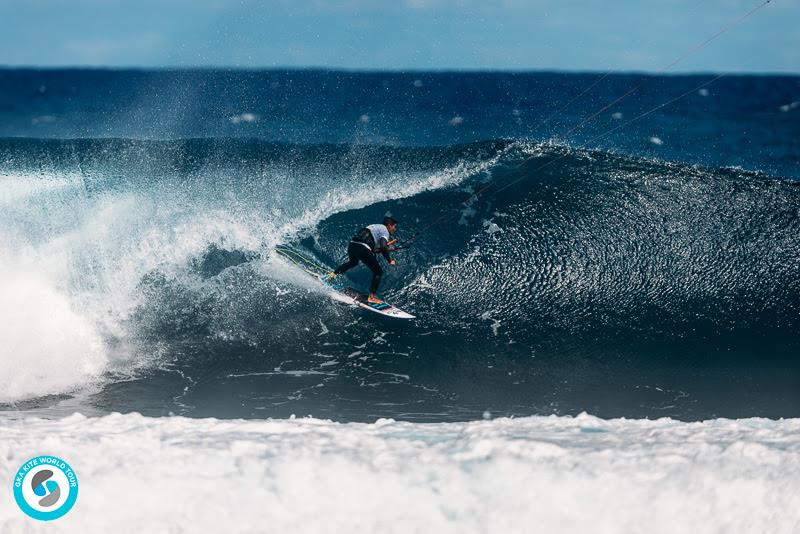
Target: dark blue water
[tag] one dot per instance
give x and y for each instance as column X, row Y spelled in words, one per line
column 651, row 271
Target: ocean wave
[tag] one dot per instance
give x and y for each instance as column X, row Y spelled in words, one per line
column 576, row 279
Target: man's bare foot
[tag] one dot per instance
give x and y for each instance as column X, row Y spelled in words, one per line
column 372, row 299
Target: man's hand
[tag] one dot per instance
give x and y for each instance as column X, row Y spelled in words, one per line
column 392, row 262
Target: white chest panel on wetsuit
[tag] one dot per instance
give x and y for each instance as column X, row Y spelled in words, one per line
column 378, row 231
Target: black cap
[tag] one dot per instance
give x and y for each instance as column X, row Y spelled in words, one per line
column 389, row 221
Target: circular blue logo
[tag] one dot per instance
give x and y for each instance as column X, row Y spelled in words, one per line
column 45, row 487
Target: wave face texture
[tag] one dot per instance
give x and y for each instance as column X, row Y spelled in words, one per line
column 652, row 274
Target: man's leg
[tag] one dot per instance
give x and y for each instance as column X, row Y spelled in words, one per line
column 352, row 261
column 371, row 261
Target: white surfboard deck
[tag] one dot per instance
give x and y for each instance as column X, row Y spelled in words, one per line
column 350, row 295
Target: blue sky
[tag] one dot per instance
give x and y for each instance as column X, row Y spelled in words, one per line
column 642, row 35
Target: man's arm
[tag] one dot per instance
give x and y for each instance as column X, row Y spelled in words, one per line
column 384, row 249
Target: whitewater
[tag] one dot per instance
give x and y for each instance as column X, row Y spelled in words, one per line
column 533, row 474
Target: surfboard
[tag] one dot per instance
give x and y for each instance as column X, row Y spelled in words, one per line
column 350, row 295
column 340, row 292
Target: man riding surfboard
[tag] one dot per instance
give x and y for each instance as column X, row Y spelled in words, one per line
column 364, row 247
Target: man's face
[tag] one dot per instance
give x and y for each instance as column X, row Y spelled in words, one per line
column 392, row 229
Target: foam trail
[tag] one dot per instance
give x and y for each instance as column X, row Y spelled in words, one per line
column 544, row 474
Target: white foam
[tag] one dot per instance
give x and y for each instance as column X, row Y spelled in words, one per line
column 535, row 474
column 46, row 346
column 790, row 106
column 243, row 117
column 491, row 227
column 456, row 120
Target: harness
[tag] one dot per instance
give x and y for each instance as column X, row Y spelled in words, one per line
column 364, row 237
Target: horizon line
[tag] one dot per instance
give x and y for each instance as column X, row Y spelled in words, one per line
column 370, row 70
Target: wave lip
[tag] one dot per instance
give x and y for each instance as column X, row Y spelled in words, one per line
column 561, row 474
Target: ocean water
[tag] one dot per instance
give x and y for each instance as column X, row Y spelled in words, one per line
column 641, row 267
